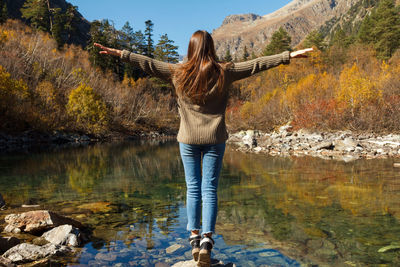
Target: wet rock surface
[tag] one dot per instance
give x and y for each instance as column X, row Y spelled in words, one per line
column 60, row 240
column 28, row 252
column 63, row 235
column 341, row 145
column 37, row 221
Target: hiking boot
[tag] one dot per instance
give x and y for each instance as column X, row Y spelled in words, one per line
column 206, row 245
column 195, row 243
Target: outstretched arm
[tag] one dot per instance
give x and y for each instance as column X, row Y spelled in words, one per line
column 151, row 66
column 245, row 69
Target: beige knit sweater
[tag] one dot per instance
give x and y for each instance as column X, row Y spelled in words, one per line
column 205, row 124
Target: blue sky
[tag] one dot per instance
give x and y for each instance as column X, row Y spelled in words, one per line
column 178, row 18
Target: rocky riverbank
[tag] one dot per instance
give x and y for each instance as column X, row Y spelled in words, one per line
column 32, row 140
column 38, row 237
column 341, row 145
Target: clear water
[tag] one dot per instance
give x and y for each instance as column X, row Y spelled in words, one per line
column 272, row 211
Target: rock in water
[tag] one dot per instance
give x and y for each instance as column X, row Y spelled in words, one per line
column 192, row 263
column 8, row 242
column 27, row 252
column 37, row 221
column 63, row 235
column 173, row 248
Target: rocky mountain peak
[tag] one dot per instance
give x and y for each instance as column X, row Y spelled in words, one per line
column 241, row 18
column 298, row 18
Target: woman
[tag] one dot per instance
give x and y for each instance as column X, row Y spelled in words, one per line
column 201, row 84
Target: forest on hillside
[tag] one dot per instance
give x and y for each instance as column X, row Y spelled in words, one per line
column 350, row 82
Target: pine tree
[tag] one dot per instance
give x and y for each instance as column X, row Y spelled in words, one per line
column 104, row 33
column 126, row 36
column 315, row 38
column 382, row 29
column 37, row 12
column 139, row 42
column 149, row 40
column 340, row 38
column 228, row 56
column 245, row 54
column 3, row 11
column 386, row 32
column 364, row 34
column 280, row 42
column 58, row 27
column 71, row 22
column 166, row 50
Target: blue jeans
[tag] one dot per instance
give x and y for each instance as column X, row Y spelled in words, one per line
column 202, row 183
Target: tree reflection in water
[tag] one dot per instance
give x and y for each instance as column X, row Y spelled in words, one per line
column 317, row 211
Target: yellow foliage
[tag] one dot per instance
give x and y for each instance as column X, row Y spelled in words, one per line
column 45, row 91
column 309, row 89
column 3, row 37
column 88, row 109
column 356, row 88
column 246, row 110
column 79, row 74
column 11, row 90
column 130, row 82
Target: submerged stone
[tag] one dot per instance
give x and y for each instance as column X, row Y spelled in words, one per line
column 173, row 248
column 96, row 207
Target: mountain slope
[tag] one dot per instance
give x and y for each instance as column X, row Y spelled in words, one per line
column 298, row 18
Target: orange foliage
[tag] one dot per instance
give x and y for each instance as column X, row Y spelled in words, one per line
column 334, row 90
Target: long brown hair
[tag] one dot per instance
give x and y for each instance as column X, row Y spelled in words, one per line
column 196, row 76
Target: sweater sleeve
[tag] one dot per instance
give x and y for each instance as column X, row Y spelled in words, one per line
column 245, row 69
column 151, row 66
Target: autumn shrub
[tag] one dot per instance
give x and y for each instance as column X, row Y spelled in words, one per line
column 89, row 111
column 311, row 101
column 14, row 96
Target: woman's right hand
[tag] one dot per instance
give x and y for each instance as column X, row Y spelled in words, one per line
column 108, row 51
column 300, row 53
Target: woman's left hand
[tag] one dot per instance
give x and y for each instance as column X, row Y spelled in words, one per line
column 300, row 53
column 108, row 51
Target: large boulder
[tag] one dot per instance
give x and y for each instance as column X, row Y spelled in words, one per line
column 63, row 235
column 8, row 242
column 37, row 221
column 346, row 145
column 25, row 252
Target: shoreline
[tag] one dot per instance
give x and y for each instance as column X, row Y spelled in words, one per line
column 340, row 145
column 31, row 140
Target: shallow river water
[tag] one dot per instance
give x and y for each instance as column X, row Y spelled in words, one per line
column 272, row 211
